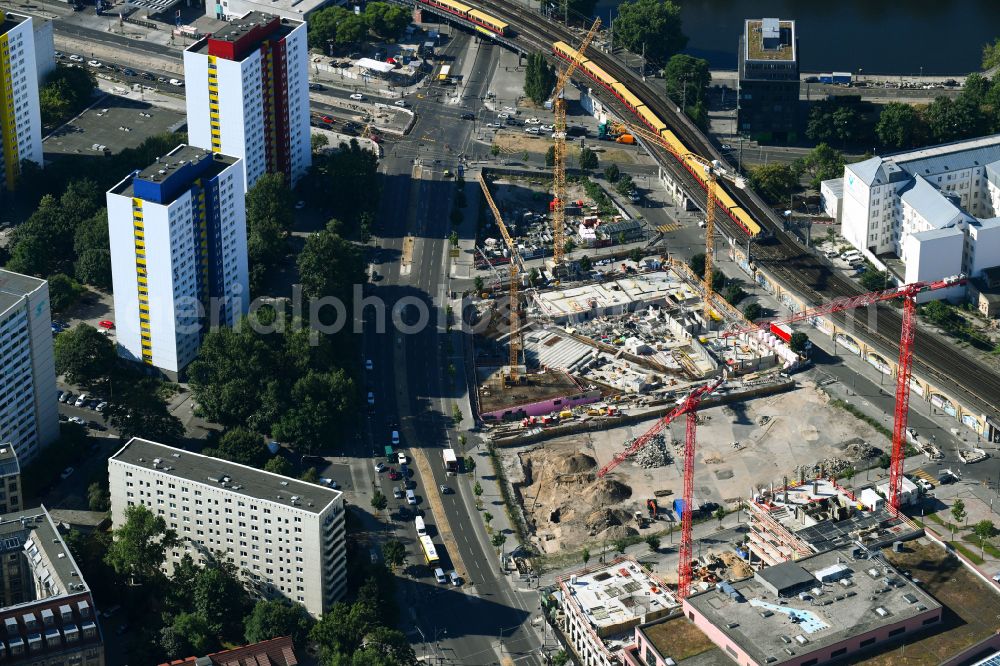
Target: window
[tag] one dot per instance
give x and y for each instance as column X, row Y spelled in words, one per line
column 868, row 641
column 897, row 631
column 931, row 620
column 811, row 662
column 837, row 653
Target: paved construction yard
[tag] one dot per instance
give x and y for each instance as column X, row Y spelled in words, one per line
column 741, row 446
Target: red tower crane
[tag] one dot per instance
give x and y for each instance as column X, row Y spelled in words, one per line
column 908, row 292
column 689, row 406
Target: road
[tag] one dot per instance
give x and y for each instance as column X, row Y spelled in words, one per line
column 463, row 625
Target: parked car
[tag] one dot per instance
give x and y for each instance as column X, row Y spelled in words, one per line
column 379, row 467
column 106, row 324
column 330, row 482
column 66, row 473
column 400, row 457
column 395, row 439
column 394, row 475
column 96, row 64
column 439, row 575
column 81, row 400
column 401, row 103
column 67, row 398
column 316, row 86
column 76, row 58
column 397, row 492
column 77, row 420
column 411, row 498
column 454, row 578
column 468, row 116
column 128, row 71
column 177, row 83
column 357, row 97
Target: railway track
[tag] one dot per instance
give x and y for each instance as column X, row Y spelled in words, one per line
column 779, row 253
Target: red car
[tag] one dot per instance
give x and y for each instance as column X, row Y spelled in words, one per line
column 394, row 475
column 327, row 119
column 107, row 324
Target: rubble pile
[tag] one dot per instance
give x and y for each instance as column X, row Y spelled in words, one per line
column 655, row 454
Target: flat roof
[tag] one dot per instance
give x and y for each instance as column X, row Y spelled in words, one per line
column 240, row 27
column 755, row 33
column 11, row 20
column 14, row 287
column 32, row 530
column 166, row 168
column 617, row 593
column 243, row 480
column 871, row 594
column 619, row 294
column 8, row 461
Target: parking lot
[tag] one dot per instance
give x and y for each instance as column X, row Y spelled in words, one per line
column 110, row 126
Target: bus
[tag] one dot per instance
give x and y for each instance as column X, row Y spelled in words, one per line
column 445, row 72
column 450, row 461
column 418, row 522
column 430, row 552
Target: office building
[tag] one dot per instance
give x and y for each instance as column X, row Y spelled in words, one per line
column 604, row 604
column 247, row 89
column 821, row 608
column 768, row 94
column 286, row 536
column 274, row 652
column 29, row 418
column 936, row 210
column 178, row 255
column 20, row 114
column 46, row 608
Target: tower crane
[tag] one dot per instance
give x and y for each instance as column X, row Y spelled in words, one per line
column 689, row 406
column 713, row 171
column 514, row 343
column 559, row 134
column 908, row 293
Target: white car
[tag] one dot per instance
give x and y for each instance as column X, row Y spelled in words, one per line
column 79, row 401
column 176, row 83
column 401, row 103
column 371, row 398
column 533, row 121
column 77, row 420
column 96, row 64
column 532, row 130
column 401, row 458
column 503, row 116
column 726, row 146
column 357, row 97
column 492, row 125
column 76, row 58
column 101, row 406
column 379, row 467
column 545, row 128
column 330, row 482
column 997, row 578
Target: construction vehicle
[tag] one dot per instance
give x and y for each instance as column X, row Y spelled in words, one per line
column 908, row 293
column 559, row 137
column 626, row 139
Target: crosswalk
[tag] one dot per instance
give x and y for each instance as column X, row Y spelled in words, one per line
column 926, row 476
column 667, row 228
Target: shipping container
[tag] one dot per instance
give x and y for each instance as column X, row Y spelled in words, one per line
column 783, row 331
column 843, row 78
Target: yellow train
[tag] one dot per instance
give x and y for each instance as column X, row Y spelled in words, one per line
column 655, row 124
column 484, row 22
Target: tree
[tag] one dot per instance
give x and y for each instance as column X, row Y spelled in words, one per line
column 620, row 545
column 719, row 514
column 187, row 634
column 385, row 646
column 958, row 511
column 66, row 91
column 899, row 126
column 550, row 156
column 269, row 206
column 569, row 245
column 278, row 465
column 753, row 311
column 379, row 501
column 84, row 357
column 487, row 518
column 220, row 598
column 611, row 172
column 733, row 292
column 453, row 238
column 329, row 265
column 310, row 475
column 775, row 182
column 477, row 489
column 584, row 263
column 687, row 80
column 63, row 292
column 653, row 542
column 991, row 54
column 884, row 461
column 798, row 342
column 272, row 618
column 940, row 314
column 585, row 556
column 353, row 29
column 92, row 247
column 137, row 407
column 321, row 404
column 653, row 24
column 470, row 464
column 873, row 280
column 98, row 497
column 323, row 26
column 394, row 554
column 318, row 142
column 539, row 78
column 386, row 20
column 984, row 529
column 478, row 285
column 560, row 658
column 139, row 547
column 588, row 159
column 822, row 163
column 244, row 446
column 950, row 120
column 625, row 185
column 636, row 254
column 498, row 540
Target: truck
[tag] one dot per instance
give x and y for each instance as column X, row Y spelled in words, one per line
column 782, row 331
column 444, row 73
column 973, row 455
column 450, row 461
column 626, row 139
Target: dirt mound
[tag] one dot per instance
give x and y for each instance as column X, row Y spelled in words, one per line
column 618, row 532
column 602, row 519
column 605, row 492
column 574, row 464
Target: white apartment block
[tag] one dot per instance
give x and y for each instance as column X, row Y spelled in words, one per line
column 286, row 536
column 937, row 209
column 189, row 209
column 247, row 91
column 20, row 115
column 29, row 418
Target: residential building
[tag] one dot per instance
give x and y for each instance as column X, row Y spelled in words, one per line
column 46, row 607
column 247, row 89
column 602, row 605
column 297, row 10
column 20, row 114
column 768, row 95
column 936, row 209
column 190, row 207
column 29, row 418
column 286, row 536
column 275, row 652
column 10, row 480
column 984, row 291
column 821, row 608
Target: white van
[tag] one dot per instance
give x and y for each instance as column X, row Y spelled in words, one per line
column 439, row 575
column 411, row 497
column 419, row 524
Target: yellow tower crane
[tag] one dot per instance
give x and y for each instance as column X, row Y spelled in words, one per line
column 712, row 172
column 559, row 134
column 514, row 342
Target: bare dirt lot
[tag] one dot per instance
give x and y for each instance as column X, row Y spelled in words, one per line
column 776, row 436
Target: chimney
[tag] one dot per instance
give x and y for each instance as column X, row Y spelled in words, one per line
column 785, row 480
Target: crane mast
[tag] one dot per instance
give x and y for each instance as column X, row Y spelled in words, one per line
column 514, row 342
column 559, row 135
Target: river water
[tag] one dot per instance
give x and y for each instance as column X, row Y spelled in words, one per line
column 878, row 36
